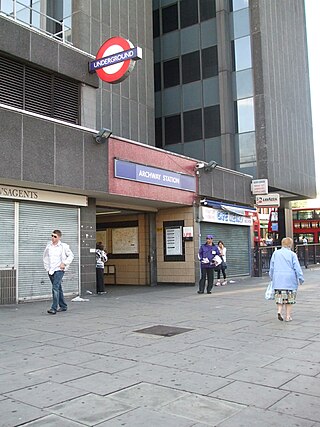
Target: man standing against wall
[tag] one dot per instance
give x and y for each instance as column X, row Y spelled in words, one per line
column 207, row 254
column 57, row 257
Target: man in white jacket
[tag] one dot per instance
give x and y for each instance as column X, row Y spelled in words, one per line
column 57, row 257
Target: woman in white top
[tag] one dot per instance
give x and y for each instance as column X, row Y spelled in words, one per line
column 223, row 265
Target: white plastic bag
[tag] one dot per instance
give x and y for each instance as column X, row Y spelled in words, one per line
column 269, row 294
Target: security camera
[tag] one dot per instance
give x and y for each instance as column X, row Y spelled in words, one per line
column 211, row 165
column 200, row 166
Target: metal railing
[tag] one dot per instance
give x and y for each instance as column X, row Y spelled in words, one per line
column 261, row 256
column 31, row 17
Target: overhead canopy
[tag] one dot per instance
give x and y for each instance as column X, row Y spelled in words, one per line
column 236, row 209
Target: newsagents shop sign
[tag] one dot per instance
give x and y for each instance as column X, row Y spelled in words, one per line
column 115, row 60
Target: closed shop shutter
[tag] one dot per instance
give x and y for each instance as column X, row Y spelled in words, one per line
column 6, row 234
column 36, row 223
column 237, row 241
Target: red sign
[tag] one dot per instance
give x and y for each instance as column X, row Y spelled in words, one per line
column 115, row 60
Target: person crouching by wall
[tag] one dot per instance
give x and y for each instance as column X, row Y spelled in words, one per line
column 101, row 259
column 206, row 255
column 286, row 274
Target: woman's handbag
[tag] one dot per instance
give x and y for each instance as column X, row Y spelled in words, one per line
column 223, row 265
column 269, row 294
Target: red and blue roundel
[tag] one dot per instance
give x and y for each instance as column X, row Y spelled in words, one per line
column 115, row 60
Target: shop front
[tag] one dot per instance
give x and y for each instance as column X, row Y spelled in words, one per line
column 28, row 216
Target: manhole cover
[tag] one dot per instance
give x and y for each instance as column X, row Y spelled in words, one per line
column 164, row 331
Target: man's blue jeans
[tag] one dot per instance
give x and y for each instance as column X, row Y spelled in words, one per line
column 57, row 292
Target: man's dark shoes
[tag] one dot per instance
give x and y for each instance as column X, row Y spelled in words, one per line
column 51, row 311
column 61, row 309
column 199, row 292
column 208, row 292
column 280, row 317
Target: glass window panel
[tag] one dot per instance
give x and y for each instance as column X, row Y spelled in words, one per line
column 171, row 101
column 157, row 77
column 192, row 96
column 212, row 121
column 192, row 125
column 245, row 148
column 169, row 18
column 245, row 113
column 156, row 23
column 207, row 9
column 241, row 23
column 172, row 129
column 170, row 44
column 174, row 148
column 171, row 73
column 239, row 4
column 158, row 132
column 209, row 62
column 211, row 91
column 188, row 13
column 212, row 147
column 190, row 39
column 208, row 33
column 194, row 149
column 244, row 84
column 191, row 67
column 242, row 53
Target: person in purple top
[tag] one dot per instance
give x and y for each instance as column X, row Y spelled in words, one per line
column 207, row 253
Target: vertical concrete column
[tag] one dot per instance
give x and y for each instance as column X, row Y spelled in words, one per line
column 227, row 118
column 87, row 242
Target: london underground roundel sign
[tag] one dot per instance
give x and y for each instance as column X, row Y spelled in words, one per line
column 115, row 60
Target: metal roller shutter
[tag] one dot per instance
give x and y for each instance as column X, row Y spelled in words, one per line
column 36, row 222
column 237, row 241
column 6, row 234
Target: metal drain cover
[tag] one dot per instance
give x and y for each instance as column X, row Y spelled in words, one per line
column 164, row 331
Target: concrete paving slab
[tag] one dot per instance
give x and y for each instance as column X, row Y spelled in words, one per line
column 304, row 384
column 23, row 363
column 53, row 421
column 45, row 394
column 202, row 409
column 299, row 405
column 61, row 373
column 67, row 342
column 14, row 381
column 42, row 350
column 176, row 378
column 254, row 417
column 249, row 394
column 144, row 417
column 295, row 366
column 91, row 409
column 109, row 364
column 15, row 413
column 101, row 348
column 72, row 357
column 146, row 395
column 102, row 383
column 262, row 376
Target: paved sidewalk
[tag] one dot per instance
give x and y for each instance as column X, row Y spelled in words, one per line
column 234, row 365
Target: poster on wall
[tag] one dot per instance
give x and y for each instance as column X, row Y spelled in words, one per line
column 174, row 241
column 125, row 240
column 101, row 236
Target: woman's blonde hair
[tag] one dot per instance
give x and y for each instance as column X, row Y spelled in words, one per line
column 287, row 242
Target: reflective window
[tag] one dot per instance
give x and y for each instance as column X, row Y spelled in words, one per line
column 243, row 84
column 191, row 67
column 246, row 148
column 172, row 129
column 207, row 9
column 169, row 18
column 156, row 24
column 245, row 115
column 192, row 125
column 171, row 73
column 242, row 53
column 209, row 62
column 241, row 23
column 212, row 121
column 239, row 4
column 188, row 13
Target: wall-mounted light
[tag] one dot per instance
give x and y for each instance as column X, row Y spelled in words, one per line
column 102, row 136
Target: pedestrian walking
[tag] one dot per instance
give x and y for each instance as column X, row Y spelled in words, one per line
column 223, row 265
column 209, row 260
column 57, row 258
column 101, row 259
column 286, row 274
